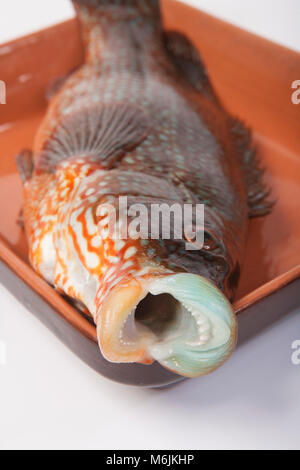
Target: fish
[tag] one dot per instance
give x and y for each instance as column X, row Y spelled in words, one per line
column 140, row 120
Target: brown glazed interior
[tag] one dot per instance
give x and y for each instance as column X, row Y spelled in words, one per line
column 253, row 77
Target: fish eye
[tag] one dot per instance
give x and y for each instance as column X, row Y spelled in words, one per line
column 210, row 243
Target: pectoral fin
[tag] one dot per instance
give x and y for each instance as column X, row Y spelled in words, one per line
column 102, row 135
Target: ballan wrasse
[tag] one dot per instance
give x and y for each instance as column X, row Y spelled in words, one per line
column 140, row 119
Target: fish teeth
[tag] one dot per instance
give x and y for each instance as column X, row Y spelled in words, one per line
column 204, row 327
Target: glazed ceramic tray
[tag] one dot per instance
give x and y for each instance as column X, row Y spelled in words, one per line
column 253, row 78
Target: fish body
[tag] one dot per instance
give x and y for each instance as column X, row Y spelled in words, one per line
column 140, row 119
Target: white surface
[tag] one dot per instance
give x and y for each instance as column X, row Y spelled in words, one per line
column 21, row 17
column 277, row 20
column 50, row 399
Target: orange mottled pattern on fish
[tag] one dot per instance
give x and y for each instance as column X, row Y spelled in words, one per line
column 140, row 119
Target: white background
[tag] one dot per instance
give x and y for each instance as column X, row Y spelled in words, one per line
column 50, row 399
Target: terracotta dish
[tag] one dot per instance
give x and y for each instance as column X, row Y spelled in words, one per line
column 254, row 79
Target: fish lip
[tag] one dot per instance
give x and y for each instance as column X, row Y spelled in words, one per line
column 111, row 318
column 204, row 298
column 190, row 359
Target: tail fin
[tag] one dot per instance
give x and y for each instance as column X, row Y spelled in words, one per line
column 102, row 19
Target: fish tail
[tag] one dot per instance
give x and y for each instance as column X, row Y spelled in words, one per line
column 145, row 7
column 106, row 25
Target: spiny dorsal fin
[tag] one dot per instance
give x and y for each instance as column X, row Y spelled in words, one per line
column 258, row 192
column 188, row 62
column 102, row 135
column 186, row 58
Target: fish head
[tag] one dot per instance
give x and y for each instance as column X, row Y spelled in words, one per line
column 158, row 301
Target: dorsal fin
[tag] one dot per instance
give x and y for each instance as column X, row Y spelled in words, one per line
column 25, row 165
column 102, row 135
column 185, row 57
column 258, row 192
column 57, row 84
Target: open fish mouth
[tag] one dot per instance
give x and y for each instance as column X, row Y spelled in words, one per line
column 182, row 321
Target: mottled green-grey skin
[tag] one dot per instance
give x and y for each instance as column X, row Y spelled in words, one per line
column 190, row 141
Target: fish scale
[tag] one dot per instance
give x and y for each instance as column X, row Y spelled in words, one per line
column 140, row 119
